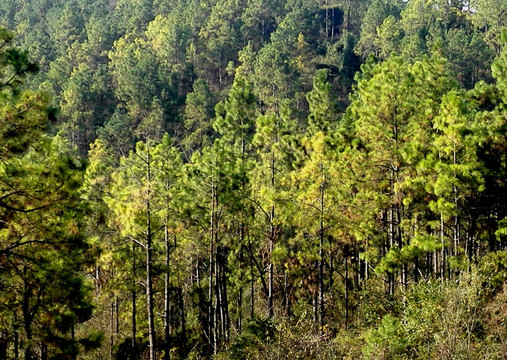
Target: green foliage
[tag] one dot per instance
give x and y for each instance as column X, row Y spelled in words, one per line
column 44, row 249
column 493, row 269
column 322, row 116
column 308, row 214
column 438, row 319
column 257, row 332
column 488, row 16
column 198, row 115
column 386, row 342
column 378, row 10
column 41, row 244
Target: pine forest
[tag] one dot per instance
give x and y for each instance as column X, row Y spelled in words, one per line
column 253, row 179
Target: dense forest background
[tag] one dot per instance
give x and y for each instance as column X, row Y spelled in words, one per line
column 249, row 179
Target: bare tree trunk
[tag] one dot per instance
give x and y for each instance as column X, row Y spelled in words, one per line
column 149, row 275
column 166, row 293
column 149, row 294
column 111, row 335
column 223, row 322
column 456, row 218
column 220, row 303
column 117, row 318
column 271, row 244
column 270, row 270
column 27, row 316
column 332, row 24
column 240, row 294
column 216, row 333
column 134, row 330
column 327, row 19
column 212, row 270
column 183, row 322
column 346, row 289
column 392, row 280
column 391, row 243
column 225, row 299
column 239, row 322
column 442, row 260
column 321, row 274
column 321, row 252
column 252, row 291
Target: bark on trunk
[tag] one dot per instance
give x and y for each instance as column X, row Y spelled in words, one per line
column 134, row 329
column 149, row 275
column 166, row 293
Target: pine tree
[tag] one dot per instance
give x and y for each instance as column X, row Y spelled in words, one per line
column 392, row 127
column 42, row 247
column 235, row 125
column 142, row 199
column 273, row 142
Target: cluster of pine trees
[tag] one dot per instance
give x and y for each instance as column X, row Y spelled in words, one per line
column 238, row 179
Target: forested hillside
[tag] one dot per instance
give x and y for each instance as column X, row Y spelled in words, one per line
column 253, row 179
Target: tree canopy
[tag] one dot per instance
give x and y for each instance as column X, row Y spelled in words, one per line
column 247, row 179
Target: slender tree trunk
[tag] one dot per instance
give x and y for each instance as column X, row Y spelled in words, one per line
column 111, row 335
column 222, row 301
column 149, row 275
column 357, row 267
column 252, row 290
column 442, row 260
column 456, row 233
column 286, row 294
column 416, row 269
column 321, row 252
column 366, row 270
column 321, row 274
column 27, row 316
column 391, row 279
column 183, row 322
column 271, row 244
column 117, row 318
column 149, row 294
column 241, row 270
column 327, row 19
column 113, row 325
column 391, row 244
column 456, row 218
column 346, row 289
column 270, row 271
column 134, row 329
column 166, row 293
column 331, row 269
column 212, row 270
column 240, row 293
column 216, row 313
column 220, row 295
column 259, row 269
column 224, row 298
column 399, row 238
